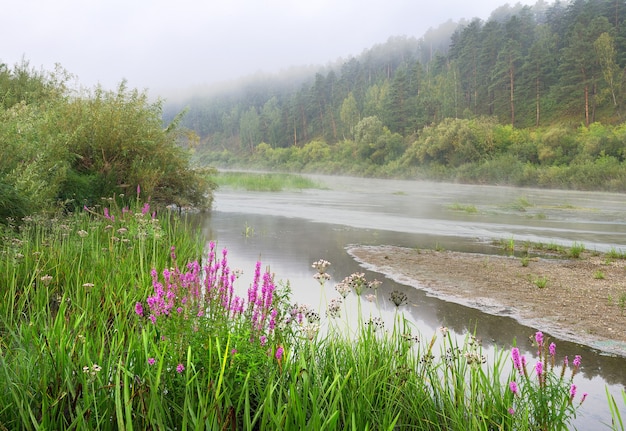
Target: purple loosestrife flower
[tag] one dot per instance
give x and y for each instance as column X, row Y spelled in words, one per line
column 539, row 338
column 513, row 387
column 572, row 393
column 151, row 361
column 576, row 361
column 272, row 324
column 253, row 291
column 279, row 352
column 539, row 368
column 180, row 368
column 517, row 360
column 138, row 190
column 552, row 352
column 139, row 309
column 106, row 214
column 511, row 411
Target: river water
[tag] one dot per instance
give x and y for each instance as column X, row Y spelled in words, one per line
column 287, row 231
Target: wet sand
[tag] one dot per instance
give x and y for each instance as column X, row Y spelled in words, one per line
column 583, row 300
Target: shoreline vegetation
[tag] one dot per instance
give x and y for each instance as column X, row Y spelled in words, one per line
column 114, row 318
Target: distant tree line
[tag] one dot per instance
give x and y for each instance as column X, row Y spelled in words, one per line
column 558, row 65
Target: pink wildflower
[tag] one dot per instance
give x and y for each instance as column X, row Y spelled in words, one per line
column 279, row 352
column 514, row 388
column 139, row 309
column 517, row 361
column 539, row 338
column 151, row 361
column 511, row 411
column 180, row 368
column 107, row 215
column 539, row 368
column 552, row 349
column 576, row 361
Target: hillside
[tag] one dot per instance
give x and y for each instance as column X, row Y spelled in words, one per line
column 541, row 85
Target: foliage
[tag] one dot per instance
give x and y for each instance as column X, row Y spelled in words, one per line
column 263, row 181
column 544, row 394
column 534, row 84
column 106, row 324
column 71, row 148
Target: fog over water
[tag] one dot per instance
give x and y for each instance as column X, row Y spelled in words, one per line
column 288, row 231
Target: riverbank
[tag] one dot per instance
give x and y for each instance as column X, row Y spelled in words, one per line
column 582, row 300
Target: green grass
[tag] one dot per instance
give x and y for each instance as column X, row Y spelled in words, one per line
column 520, row 204
column 613, row 253
column 576, row 250
column 108, row 320
column 265, row 182
column 540, row 282
column 466, row 208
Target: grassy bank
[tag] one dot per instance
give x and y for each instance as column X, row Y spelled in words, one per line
column 264, row 182
column 108, row 320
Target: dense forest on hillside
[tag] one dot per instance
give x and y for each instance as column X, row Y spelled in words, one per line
column 532, row 96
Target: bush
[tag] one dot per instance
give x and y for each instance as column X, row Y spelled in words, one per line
column 74, row 148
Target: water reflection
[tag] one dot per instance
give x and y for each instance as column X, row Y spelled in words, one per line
column 289, row 231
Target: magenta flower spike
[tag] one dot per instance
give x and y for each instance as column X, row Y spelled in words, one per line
column 539, row 338
column 517, row 361
column 279, row 353
column 552, row 349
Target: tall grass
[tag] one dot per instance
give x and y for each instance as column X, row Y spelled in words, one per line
column 269, row 182
column 109, row 321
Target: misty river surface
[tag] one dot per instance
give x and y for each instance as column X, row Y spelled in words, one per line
column 287, row 231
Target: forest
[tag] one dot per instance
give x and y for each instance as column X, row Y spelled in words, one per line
column 534, row 96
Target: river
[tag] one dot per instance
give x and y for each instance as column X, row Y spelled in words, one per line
column 287, row 231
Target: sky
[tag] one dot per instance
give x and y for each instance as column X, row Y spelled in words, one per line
column 161, row 46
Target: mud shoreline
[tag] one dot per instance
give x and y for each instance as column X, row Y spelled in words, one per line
column 581, row 300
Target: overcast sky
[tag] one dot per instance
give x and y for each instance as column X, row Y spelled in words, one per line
column 159, row 45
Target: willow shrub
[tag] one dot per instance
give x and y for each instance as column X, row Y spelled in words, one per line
column 108, row 322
